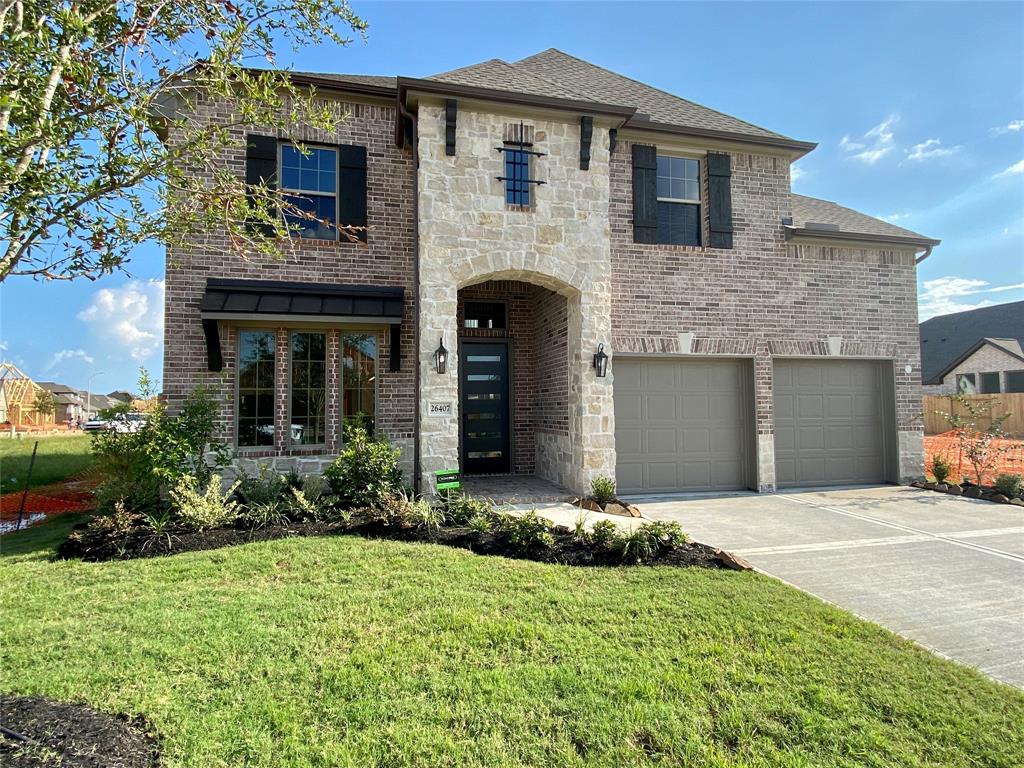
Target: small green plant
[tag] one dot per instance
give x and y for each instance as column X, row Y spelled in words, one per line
column 480, row 524
column 580, row 533
column 639, row 544
column 266, row 487
column 941, row 468
column 604, row 534
column 602, row 489
column 529, row 532
column 1010, row 484
column 263, row 514
column 426, row 516
column 314, row 502
column 366, row 473
column 459, row 510
column 669, row 534
column 204, row 508
column 394, row 510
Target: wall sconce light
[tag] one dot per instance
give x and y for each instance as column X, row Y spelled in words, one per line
column 601, row 362
column 441, row 356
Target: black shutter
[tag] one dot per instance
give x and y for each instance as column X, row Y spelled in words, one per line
column 352, row 189
column 260, row 168
column 395, row 344
column 719, row 200
column 645, row 194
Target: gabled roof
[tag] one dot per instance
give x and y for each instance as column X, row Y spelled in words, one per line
column 948, row 340
column 501, row 76
column 655, row 105
column 846, row 223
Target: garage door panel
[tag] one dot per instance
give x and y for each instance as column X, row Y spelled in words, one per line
column 694, row 425
column 834, row 435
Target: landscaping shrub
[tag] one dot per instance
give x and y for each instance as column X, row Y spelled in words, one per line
column 202, row 507
column 529, row 532
column 1010, row 484
column 138, row 468
column 266, row 487
column 315, row 503
column 426, row 516
column 263, row 514
column 366, row 473
column 604, row 534
column 602, row 489
column 580, row 534
column 669, row 534
column 639, row 544
column 480, row 524
column 393, row 510
column 459, row 509
column 940, row 468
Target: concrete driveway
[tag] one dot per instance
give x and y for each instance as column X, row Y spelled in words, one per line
column 945, row 571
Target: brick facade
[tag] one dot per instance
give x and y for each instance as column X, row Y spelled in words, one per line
column 765, row 297
column 387, row 258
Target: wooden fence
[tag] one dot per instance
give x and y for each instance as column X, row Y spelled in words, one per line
column 1009, row 402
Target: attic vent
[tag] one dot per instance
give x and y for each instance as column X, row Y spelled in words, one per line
column 821, row 227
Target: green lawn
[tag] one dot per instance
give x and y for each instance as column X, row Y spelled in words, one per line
column 346, row 652
column 58, row 457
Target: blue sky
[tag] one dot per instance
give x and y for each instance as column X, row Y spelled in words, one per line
column 918, row 110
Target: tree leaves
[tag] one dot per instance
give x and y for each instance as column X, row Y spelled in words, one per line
column 99, row 149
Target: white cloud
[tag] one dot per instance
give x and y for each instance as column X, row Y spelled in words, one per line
column 943, row 295
column 3, row 346
column 1014, row 170
column 67, row 354
column 129, row 318
column 796, row 173
column 931, row 149
column 873, row 145
column 892, row 218
column 1014, row 126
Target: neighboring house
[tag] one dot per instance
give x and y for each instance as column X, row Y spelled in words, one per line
column 974, row 352
column 69, row 404
column 94, row 403
column 529, row 218
column 121, row 395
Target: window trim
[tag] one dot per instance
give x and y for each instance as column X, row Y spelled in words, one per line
column 300, row 192
column 972, row 377
column 239, row 330
column 999, row 382
column 342, row 333
column 326, row 333
column 1006, row 376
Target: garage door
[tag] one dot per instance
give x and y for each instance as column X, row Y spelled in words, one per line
column 682, row 425
column 828, row 422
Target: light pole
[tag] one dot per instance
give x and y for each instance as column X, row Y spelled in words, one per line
column 88, row 395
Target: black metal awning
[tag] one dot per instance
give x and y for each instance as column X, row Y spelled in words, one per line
column 292, row 302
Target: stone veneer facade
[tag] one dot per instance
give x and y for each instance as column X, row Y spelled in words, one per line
column 468, row 235
column 573, row 278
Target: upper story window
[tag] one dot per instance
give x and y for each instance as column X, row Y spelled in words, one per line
column 310, row 183
column 517, row 175
column 678, row 200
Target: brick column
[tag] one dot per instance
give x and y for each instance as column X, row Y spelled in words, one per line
column 334, row 374
column 281, row 385
column 764, row 418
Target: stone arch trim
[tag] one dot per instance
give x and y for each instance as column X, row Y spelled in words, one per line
column 547, row 271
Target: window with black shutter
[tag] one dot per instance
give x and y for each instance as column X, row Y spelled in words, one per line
column 678, row 200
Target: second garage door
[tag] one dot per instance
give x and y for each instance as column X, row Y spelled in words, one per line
column 682, row 425
column 829, row 422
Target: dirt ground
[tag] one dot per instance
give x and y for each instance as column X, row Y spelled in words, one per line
column 946, row 445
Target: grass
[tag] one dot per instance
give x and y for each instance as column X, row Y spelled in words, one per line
column 346, row 652
column 59, row 457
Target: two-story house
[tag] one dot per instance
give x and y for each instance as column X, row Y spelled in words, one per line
column 565, row 273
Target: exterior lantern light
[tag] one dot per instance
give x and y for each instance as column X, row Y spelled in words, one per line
column 441, row 356
column 601, row 362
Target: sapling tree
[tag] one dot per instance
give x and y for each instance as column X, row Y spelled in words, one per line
column 98, row 151
column 981, row 444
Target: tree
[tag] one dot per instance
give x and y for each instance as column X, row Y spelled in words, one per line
column 95, row 135
column 982, row 445
column 44, row 403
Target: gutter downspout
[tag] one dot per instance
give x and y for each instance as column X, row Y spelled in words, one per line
column 925, row 255
column 417, row 478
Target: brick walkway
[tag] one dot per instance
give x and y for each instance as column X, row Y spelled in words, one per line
column 514, row 489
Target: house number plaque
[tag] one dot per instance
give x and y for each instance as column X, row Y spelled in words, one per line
column 441, row 409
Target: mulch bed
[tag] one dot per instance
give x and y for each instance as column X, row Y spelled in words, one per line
column 40, row 733
column 566, row 550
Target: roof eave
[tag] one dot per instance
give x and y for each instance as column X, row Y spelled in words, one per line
column 345, row 87
column 797, row 233
column 797, row 148
column 440, row 88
